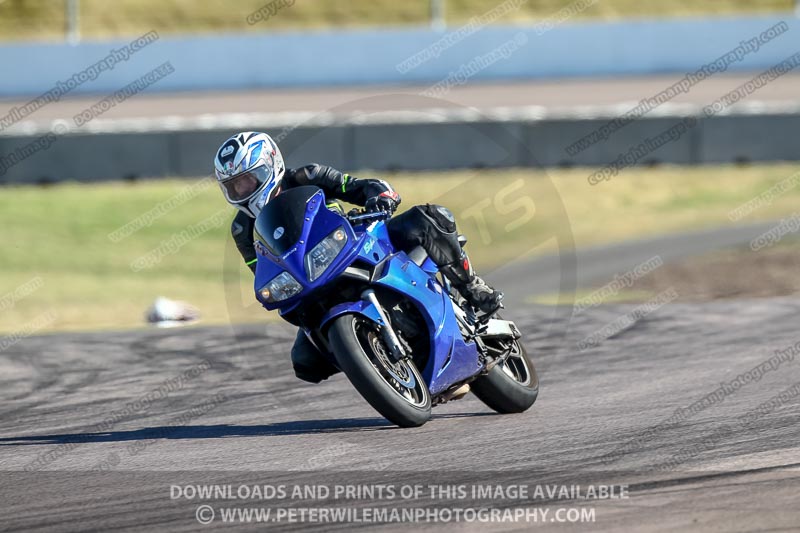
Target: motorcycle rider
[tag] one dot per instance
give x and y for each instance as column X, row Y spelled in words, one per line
column 250, row 171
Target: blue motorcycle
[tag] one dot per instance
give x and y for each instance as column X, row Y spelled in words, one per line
column 403, row 337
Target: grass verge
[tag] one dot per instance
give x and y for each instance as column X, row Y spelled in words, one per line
column 60, row 234
column 44, row 19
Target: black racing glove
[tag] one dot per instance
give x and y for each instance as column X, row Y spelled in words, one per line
column 385, row 201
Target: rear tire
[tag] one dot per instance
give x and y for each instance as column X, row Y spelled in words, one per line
column 397, row 391
column 512, row 385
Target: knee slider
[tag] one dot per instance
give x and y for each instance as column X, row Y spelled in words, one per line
column 441, row 217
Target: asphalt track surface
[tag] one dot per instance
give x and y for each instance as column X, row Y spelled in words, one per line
column 558, row 95
column 86, row 445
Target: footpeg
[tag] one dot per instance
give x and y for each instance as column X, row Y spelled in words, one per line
column 490, row 365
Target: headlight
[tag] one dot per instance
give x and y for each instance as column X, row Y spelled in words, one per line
column 282, row 287
column 322, row 255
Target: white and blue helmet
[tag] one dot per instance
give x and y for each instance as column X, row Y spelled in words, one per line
column 249, row 168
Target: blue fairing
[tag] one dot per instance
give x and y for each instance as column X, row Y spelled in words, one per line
column 320, row 223
column 451, row 359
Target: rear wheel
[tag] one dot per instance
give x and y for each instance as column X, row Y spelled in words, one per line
column 513, row 384
column 395, row 390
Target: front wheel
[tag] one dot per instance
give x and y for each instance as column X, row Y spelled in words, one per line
column 512, row 385
column 395, row 390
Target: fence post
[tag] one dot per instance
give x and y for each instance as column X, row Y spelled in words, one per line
column 437, row 14
column 72, row 21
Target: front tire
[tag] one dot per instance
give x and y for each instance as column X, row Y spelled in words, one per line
column 397, row 391
column 512, row 385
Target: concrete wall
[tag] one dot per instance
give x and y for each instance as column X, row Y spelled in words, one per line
column 355, row 57
column 379, row 146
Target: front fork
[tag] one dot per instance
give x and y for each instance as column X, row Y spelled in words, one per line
column 396, row 350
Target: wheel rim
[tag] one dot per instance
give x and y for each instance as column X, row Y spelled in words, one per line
column 402, row 377
column 515, row 365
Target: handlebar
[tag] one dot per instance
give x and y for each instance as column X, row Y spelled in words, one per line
column 356, row 216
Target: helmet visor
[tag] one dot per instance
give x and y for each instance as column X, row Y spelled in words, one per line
column 244, row 185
